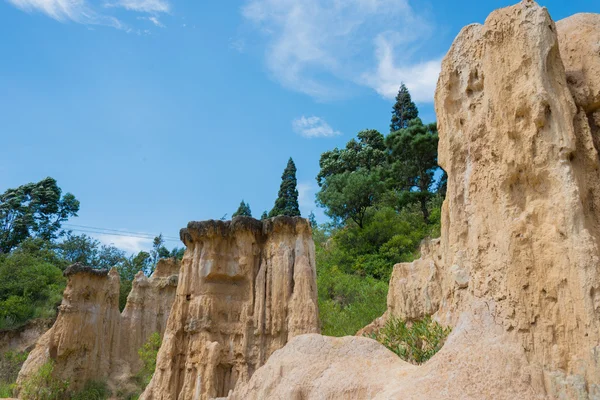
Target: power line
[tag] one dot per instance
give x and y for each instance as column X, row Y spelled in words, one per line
column 115, row 232
column 119, row 234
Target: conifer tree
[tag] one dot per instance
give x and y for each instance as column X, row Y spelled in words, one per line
column 287, row 199
column 404, row 110
column 264, row 215
column 243, row 210
column 313, row 220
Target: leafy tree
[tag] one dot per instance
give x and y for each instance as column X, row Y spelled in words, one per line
column 158, row 250
column 368, row 152
column 89, row 251
column 264, row 215
column 243, row 210
column 348, row 195
column 142, row 261
column 413, row 163
column 404, row 110
column 79, row 248
column 177, row 253
column 287, row 199
column 109, row 256
column 34, row 210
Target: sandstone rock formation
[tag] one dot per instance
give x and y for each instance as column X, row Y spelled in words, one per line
column 246, row 288
column 91, row 339
column 516, row 272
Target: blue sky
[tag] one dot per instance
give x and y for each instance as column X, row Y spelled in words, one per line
column 157, row 112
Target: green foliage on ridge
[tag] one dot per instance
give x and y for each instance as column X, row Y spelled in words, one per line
column 384, row 196
column 243, row 210
column 415, row 342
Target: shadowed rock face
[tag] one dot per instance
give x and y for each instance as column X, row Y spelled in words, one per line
column 516, row 272
column 246, row 288
column 91, row 339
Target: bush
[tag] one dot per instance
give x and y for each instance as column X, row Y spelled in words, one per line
column 348, row 302
column 93, row 390
column 43, row 386
column 414, row 342
column 6, row 390
column 30, row 286
column 148, row 354
column 10, row 365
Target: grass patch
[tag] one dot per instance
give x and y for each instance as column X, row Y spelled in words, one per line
column 93, row 390
column 148, row 354
column 43, row 386
column 414, row 342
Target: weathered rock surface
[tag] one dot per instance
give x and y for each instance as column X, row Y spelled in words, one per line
column 91, row 339
column 24, row 337
column 516, row 272
column 246, row 288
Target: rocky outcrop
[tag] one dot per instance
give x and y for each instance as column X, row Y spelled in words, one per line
column 246, row 288
column 24, row 337
column 91, row 339
column 516, row 271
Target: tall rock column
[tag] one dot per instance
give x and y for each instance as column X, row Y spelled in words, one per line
column 246, row 287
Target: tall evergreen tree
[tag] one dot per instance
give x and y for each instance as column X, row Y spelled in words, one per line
column 313, row 220
column 287, row 199
column 264, row 215
column 404, row 110
column 243, row 210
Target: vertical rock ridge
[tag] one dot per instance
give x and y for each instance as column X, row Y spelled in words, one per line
column 246, row 288
column 91, row 339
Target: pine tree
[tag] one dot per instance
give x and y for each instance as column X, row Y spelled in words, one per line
column 287, row 199
column 404, row 110
column 243, row 210
column 313, row 220
column 264, row 215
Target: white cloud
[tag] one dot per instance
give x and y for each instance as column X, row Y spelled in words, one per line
column 87, row 11
column 68, row 10
column 321, row 47
column 149, row 6
column 154, row 20
column 311, row 127
column 306, row 197
column 129, row 244
column 420, row 78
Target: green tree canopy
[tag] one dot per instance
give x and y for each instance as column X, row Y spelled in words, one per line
column 348, row 195
column 34, row 210
column 368, row 152
column 287, row 199
column 264, row 215
column 243, row 210
column 413, row 163
column 404, row 110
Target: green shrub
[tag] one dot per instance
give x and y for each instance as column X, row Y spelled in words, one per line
column 6, row 390
column 348, row 302
column 30, row 286
column 148, row 354
column 414, row 342
column 93, row 390
column 10, row 365
column 43, row 386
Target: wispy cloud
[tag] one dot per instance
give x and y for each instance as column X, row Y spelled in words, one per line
column 420, row 78
column 312, row 127
column 154, row 20
column 129, row 244
column 91, row 12
column 149, row 6
column 321, row 47
column 306, row 197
